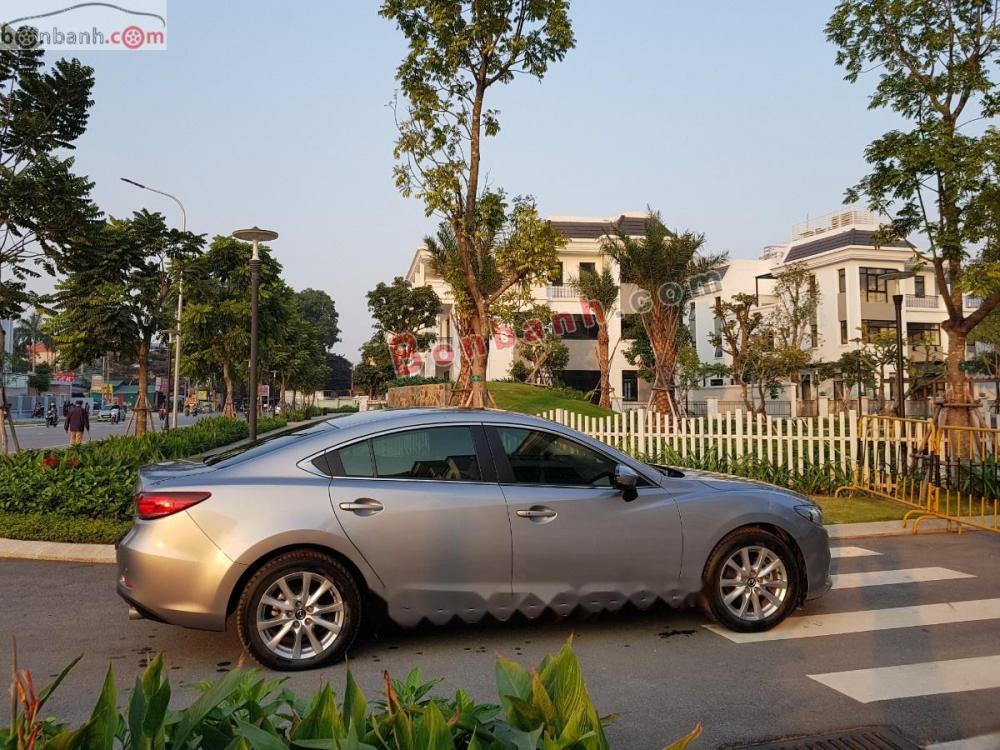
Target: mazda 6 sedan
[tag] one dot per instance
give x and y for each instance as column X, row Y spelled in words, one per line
column 444, row 513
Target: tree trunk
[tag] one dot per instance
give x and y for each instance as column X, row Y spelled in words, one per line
column 478, row 396
column 6, row 418
column 662, row 332
column 958, row 401
column 604, row 363
column 228, row 409
column 141, row 403
column 745, row 391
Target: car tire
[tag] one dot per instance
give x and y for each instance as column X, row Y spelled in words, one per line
column 751, row 580
column 305, row 643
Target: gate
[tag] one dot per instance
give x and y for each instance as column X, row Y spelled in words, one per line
column 950, row 473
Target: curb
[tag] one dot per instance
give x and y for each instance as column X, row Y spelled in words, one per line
column 16, row 549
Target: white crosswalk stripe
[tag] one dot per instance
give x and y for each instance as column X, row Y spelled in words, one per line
column 891, row 577
column 911, row 680
column 866, row 621
column 838, row 552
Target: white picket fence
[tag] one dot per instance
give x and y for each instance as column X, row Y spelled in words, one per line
column 792, row 443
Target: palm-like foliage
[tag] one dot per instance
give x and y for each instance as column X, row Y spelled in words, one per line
column 670, row 268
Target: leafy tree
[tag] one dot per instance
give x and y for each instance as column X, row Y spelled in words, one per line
column 691, row 371
column 319, row 309
column 216, row 320
column 668, row 267
column 739, row 336
column 882, row 350
column 46, row 208
column 854, row 367
column 30, row 331
column 403, row 313
column 375, row 367
column 538, row 344
column 601, row 292
column 116, row 294
column 41, row 379
column 936, row 63
column 797, row 299
column 458, row 51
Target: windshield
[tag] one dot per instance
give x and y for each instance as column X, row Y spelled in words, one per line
column 269, row 442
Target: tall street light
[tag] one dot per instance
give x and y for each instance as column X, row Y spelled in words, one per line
column 180, row 301
column 254, row 235
column 897, row 301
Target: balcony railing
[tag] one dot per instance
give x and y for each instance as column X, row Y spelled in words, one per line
column 930, row 301
column 972, row 303
column 567, row 291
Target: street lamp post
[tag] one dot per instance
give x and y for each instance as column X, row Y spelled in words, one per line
column 254, row 235
column 908, row 272
column 180, row 301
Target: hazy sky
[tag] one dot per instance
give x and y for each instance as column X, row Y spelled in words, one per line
column 730, row 118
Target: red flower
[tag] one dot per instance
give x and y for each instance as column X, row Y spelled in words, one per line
column 73, row 461
column 50, row 461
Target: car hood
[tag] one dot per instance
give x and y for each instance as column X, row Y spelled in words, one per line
column 730, row 483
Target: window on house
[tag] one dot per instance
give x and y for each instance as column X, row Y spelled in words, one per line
column 587, row 268
column 842, row 280
column 919, row 286
column 716, row 381
column 575, row 327
column 871, row 328
column 843, row 332
column 813, row 335
column 630, row 385
column 557, row 276
column 874, row 288
column 923, row 334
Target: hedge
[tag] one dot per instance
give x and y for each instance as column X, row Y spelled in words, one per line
column 97, row 479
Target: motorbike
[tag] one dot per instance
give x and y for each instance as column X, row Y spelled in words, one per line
column 52, row 419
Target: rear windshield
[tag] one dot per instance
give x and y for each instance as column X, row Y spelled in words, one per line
column 269, row 442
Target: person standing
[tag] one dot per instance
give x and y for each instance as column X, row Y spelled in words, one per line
column 77, row 420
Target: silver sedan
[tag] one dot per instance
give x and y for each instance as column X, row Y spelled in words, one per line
column 439, row 513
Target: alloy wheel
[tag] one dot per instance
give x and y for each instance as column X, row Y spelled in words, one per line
column 300, row 615
column 753, row 583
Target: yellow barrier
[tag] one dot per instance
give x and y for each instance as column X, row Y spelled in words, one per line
column 948, row 473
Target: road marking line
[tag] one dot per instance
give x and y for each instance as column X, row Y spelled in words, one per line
column 836, row 552
column 865, row 621
column 910, row 680
column 981, row 742
column 888, row 577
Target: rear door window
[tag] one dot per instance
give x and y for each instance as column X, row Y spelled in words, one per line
column 432, row 453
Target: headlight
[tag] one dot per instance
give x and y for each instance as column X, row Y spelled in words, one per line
column 810, row 513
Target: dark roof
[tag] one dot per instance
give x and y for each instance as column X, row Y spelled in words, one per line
column 594, row 230
column 853, row 237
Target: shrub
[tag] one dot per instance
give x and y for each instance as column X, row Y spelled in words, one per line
column 414, row 380
column 46, row 527
column 548, row 707
column 519, row 371
column 97, row 479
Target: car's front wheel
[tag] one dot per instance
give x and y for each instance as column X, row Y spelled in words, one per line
column 752, row 580
column 300, row 610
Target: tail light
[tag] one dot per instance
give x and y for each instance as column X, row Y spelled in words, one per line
column 150, row 505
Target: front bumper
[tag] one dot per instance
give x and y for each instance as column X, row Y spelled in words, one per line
column 815, row 547
column 170, row 571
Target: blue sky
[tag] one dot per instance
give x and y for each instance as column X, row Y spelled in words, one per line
column 730, row 118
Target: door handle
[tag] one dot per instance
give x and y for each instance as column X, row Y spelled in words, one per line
column 363, row 505
column 537, row 513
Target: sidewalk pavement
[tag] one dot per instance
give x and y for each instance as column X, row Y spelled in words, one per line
column 105, row 553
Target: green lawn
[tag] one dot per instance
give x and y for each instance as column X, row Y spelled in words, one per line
column 533, row 399
column 859, row 509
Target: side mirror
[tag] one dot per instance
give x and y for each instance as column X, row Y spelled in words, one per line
column 626, row 480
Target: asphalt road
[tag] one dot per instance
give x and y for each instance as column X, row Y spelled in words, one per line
column 662, row 671
column 32, row 436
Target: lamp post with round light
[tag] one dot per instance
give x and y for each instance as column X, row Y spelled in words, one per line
column 254, row 235
column 908, row 272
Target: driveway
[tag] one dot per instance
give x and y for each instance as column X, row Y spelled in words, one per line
column 906, row 638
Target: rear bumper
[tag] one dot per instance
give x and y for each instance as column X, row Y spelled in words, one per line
column 170, row 571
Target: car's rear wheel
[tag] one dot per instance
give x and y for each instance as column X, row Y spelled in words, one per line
column 301, row 610
column 751, row 580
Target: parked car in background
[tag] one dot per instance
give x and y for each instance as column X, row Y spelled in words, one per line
column 110, row 413
column 443, row 513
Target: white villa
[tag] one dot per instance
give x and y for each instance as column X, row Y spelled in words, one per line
column 838, row 248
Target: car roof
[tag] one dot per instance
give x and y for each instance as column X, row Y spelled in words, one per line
column 388, row 418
